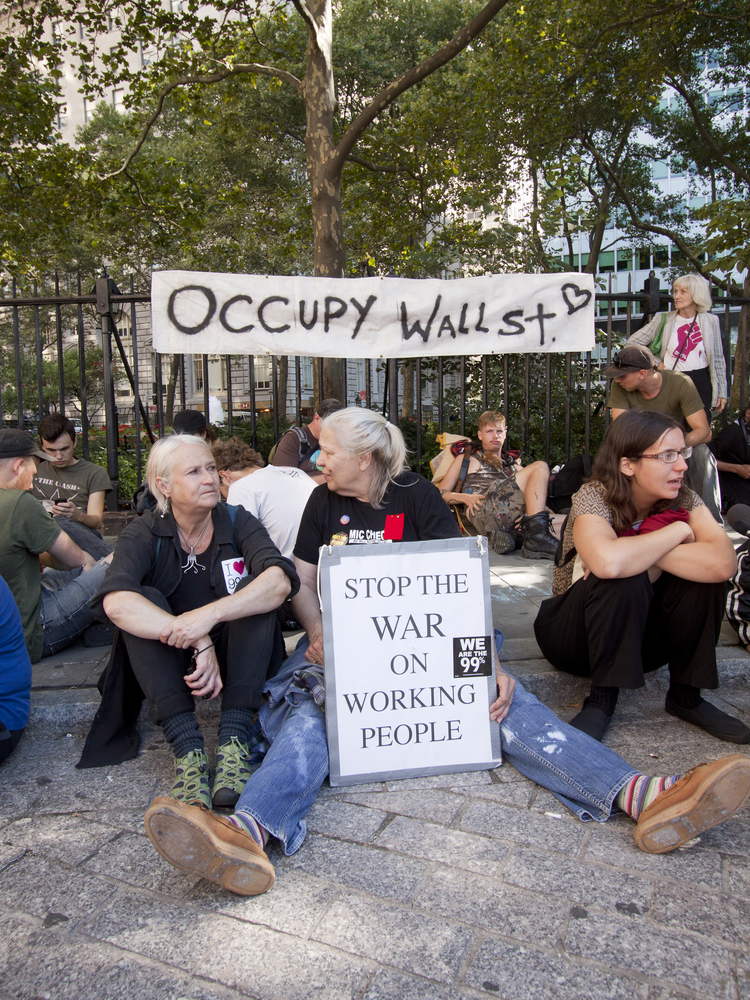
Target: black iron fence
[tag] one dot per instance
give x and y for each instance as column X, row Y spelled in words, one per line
column 70, row 351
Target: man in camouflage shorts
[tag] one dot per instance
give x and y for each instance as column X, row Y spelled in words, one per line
column 500, row 496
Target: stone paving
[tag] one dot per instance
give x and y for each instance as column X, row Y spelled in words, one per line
column 476, row 885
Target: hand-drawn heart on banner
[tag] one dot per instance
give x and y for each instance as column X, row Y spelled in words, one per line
column 581, row 298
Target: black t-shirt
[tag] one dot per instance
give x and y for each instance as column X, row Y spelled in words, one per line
column 194, row 589
column 412, row 511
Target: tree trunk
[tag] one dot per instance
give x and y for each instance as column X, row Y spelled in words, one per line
column 596, row 236
column 324, row 173
column 408, row 402
column 174, row 373
column 740, row 385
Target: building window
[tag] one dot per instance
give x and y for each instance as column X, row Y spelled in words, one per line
column 62, row 116
column 735, row 99
column 88, row 109
column 659, row 170
column 661, row 256
column 644, row 260
column 677, row 167
column 118, row 95
column 606, row 261
column 624, row 260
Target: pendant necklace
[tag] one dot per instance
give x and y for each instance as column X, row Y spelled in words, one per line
column 192, row 559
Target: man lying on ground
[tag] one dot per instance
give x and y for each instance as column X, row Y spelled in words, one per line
column 54, row 608
column 368, row 494
column 500, row 496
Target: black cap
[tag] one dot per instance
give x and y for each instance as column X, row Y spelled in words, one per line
column 188, row 422
column 19, row 444
column 631, row 359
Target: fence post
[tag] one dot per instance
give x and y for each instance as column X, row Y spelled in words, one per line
column 104, row 308
column 651, row 305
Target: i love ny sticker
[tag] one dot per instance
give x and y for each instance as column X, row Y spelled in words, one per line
column 234, row 571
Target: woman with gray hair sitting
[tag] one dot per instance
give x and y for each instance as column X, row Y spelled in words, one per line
column 688, row 340
column 369, row 497
column 193, row 588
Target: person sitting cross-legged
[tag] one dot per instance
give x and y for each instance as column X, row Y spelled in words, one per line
column 501, row 497
column 368, row 495
column 643, row 580
column 55, row 607
column 193, row 590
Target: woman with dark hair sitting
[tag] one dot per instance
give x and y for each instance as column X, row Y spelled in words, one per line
column 642, row 581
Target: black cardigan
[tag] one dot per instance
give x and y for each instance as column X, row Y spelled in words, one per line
column 148, row 553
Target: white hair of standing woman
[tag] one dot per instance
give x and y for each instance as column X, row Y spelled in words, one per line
column 697, row 288
column 161, row 462
column 361, row 432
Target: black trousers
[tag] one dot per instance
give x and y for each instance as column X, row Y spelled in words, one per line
column 243, row 648
column 701, row 379
column 615, row 631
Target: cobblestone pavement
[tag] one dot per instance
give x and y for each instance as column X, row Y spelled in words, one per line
column 474, row 885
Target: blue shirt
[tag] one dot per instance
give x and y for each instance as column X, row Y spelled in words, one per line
column 15, row 666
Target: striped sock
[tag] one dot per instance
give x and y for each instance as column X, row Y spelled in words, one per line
column 640, row 792
column 248, row 824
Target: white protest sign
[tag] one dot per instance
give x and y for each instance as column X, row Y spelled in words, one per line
column 206, row 313
column 407, row 631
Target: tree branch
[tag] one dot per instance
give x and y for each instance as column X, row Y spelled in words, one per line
column 385, row 169
column 186, row 81
column 650, row 227
column 679, row 86
column 135, row 184
column 412, row 76
column 307, row 17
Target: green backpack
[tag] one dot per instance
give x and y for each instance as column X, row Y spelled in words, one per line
column 655, row 345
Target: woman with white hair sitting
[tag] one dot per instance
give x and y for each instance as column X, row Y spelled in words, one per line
column 368, row 497
column 193, row 588
column 688, row 340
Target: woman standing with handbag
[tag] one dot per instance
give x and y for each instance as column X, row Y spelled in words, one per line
column 688, row 340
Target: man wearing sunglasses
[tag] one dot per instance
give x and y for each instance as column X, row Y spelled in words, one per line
column 639, row 384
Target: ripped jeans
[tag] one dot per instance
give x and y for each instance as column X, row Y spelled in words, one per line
column 582, row 773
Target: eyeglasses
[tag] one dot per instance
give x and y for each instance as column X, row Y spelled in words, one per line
column 670, row 457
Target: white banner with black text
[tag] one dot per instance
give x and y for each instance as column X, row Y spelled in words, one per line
column 211, row 313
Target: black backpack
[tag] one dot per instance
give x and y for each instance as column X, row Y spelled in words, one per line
column 566, row 482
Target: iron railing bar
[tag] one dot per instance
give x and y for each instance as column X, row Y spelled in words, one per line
column 82, row 376
column 19, row 374
column 138, row 404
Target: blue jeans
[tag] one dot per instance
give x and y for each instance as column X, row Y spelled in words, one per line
column 582, row 773
column 66, row 595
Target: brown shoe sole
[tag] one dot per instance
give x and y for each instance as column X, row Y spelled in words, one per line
column 699, row 804
column 194, row 840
